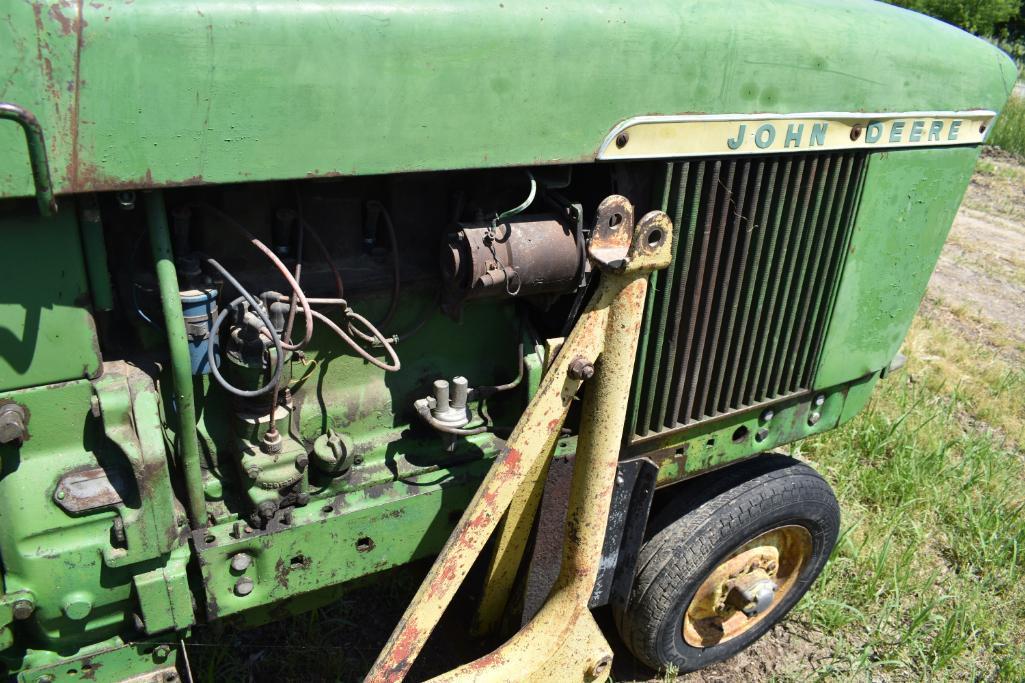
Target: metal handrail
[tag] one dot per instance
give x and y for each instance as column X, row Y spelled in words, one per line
column 37, row 154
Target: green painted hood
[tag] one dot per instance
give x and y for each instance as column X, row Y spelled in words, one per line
column 158, row 92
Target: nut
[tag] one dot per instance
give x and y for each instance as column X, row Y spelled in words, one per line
column 580, row 369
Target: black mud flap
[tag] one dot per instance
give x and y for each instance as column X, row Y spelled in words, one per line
column 628, row 517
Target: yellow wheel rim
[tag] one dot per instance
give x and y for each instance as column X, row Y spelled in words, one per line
column 747, row 586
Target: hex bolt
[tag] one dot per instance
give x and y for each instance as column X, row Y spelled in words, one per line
column 580, row 369
column 241, row 562
column 820, row 399
column 244, row 586
column 13, row 423
column 161, row 652
column 814, row 418
column 762, row 434
column 22, row 609
column 768, row 415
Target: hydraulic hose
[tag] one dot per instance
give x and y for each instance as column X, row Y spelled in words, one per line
column 178, row 348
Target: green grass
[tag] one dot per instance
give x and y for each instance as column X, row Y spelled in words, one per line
column 927, row 580
column 1009, row 132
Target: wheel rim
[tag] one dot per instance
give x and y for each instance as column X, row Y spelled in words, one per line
column 747, row 586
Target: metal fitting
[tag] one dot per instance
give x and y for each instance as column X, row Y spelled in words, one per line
column 599, row 668
column 768, row 415
column 271, row 442
column 13, row 423
column 580, row 369
column 762, row 434
column 820, row 399
column 814, row 418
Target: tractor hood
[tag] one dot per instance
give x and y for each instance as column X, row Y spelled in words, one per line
column 146, row 93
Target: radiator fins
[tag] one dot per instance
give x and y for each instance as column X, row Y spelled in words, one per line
column 738, row 318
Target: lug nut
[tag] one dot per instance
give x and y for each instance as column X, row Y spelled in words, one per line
column 241, row 562
column 580, row 369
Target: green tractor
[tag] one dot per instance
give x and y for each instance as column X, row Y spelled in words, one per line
column 298, row 292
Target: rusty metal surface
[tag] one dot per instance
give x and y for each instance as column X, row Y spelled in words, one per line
column 607, row 335
column 521, row 256
column 87, row 490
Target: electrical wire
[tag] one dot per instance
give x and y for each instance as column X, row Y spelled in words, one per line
column 215, row 328
column 281, row 267
column 395, row 365
column 522, row 207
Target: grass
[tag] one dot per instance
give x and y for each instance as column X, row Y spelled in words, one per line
column 927, row 580
column 1009, row 132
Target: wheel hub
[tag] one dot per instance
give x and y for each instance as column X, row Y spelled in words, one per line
column 747, row 586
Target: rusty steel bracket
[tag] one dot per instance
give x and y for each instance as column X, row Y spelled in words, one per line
column 36, row 143
column 604, row 338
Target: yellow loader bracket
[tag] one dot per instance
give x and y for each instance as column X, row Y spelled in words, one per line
column 562, row 642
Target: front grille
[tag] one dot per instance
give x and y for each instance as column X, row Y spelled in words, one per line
column 738, row 318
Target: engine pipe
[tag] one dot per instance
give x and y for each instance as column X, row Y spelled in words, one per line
column 181, row 360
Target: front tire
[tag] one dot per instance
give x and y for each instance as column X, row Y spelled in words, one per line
column 730, row 558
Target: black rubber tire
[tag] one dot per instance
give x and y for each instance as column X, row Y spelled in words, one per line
column 714, row 515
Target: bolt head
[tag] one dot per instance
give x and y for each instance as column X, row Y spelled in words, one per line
column 244, row 586
column 161, row 652
column 241, row 562
column 762, row 434
column 22, row 609
column 77, row 607
column 820, row 399
column 814, row 418
column 580, row 369
column 12, row 424
column 768, row 415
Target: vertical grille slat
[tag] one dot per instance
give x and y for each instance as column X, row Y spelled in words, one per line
column 666, row 372
column 722, row 220
column 739, row 316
